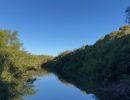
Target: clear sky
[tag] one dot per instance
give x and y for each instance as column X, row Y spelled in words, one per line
column 52, row 26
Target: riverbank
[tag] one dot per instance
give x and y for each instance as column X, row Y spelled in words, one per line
column 16, row 66
column 104, row 66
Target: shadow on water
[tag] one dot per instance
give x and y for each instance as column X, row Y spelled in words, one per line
column 24, row 87
column 102, row 91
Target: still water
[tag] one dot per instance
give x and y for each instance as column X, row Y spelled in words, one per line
column 49, row 87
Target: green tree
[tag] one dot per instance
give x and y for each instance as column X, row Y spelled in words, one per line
column 13, row 41
column 9, row 39
column 3, row 38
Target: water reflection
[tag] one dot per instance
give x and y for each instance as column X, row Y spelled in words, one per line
column 20, row 86
column 49, row 87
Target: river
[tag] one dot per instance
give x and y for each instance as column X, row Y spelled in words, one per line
column 49, row 87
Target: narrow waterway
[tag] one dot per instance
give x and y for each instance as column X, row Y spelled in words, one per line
column 49, row 87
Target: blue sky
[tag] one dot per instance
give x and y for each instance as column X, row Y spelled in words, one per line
column 53, row 26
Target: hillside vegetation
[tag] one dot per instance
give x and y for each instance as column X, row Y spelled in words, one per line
column 107, row 61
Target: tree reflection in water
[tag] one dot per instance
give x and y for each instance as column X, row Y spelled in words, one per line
column 20, row 87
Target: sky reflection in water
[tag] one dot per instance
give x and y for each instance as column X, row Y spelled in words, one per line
column 49, row 87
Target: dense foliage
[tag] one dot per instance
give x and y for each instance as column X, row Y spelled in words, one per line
column 107, row 61
column 15, row 65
